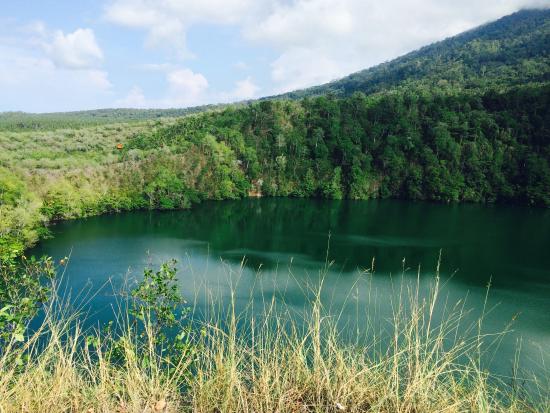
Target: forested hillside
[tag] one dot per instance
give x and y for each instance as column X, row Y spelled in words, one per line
column 410, row 145
column 510, row 51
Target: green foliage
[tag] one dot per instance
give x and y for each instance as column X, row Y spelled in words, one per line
column 11, row 188
column 158, row 308
column 413, row 145
column 362, row 184
column 19, row 224
column 157, row 298
column 157, row 323
column 23, row 288
column 55, row 204
column 333, row 187
column 167, row 191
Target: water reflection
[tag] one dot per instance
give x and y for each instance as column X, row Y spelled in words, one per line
column 284, row 243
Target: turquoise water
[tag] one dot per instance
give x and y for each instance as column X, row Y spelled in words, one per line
column 281, row 247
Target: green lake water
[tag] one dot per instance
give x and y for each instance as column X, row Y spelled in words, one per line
column 264, row 248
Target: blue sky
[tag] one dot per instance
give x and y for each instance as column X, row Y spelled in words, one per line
column 71, row 55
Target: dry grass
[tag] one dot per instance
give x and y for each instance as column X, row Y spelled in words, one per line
column 264, row 363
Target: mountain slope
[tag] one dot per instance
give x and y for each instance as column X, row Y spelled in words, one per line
column 512, row 50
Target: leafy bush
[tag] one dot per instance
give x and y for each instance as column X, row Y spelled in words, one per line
column 11, row 188
column 23, row 288
column 167, row 191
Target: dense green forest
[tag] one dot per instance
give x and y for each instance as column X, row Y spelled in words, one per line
column 411, row 145
column 455, row 121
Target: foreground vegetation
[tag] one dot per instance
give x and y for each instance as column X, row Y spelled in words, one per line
column 161, row 357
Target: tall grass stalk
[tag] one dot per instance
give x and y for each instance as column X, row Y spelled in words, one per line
column 264, row 360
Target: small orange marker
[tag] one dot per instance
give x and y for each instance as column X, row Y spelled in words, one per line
column 120, row 146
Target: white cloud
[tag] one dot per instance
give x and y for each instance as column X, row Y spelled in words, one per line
column 166, row 22
column 320, row 40
column 43, row 70
column 76, row 50
column 301, row 67
column 305, row 23
column 134, row 99
column 186, row 88
column 312, row 41
column 316, row 40
column 100, row 79
column 244, row 89
column 36, row 27
column 183, row 88
column 35, row 84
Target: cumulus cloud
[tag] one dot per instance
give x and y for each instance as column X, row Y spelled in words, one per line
column 167, row 22
column 299, row 67
column 134, row 99
column 76, row 50
column 36, row 84
column 45, row 70
column 100, row 79
column 183, row 88
column 320, row 40
column 244, row 89
column 309, row 41
column 305, row 23
column 186, row 88
column 316, row 40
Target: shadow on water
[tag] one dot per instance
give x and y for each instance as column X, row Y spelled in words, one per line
column 285, row 243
